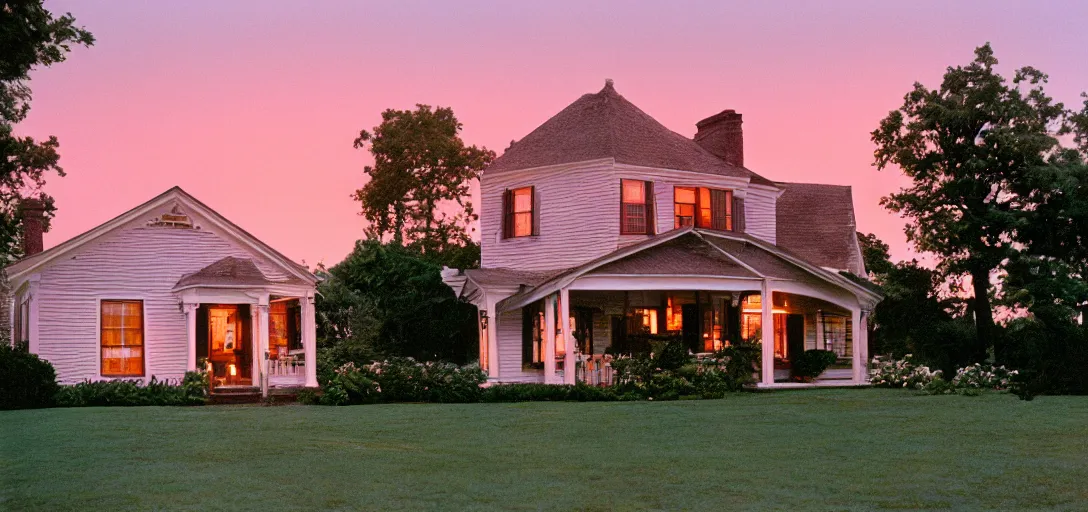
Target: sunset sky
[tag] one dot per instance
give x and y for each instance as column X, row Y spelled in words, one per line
column 252, row 106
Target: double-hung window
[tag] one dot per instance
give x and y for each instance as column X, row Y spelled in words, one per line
column 122, row 338
column 702, row 207
column 636, row 207
column 519, row 215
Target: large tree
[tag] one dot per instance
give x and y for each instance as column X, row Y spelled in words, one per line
column 418, row 193
column 30, row 37
column 967, row 146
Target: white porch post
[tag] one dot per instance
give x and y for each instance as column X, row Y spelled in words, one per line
column 190, row 328
column 549, row 339
column 309, row 339
column 820, row 343
column 262, row 341
column 492, row 337
column 857, row 339
column 767, row 331
column 32, row 315
column 570, row 362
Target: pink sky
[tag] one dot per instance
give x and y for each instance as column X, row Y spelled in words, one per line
column 252, row 106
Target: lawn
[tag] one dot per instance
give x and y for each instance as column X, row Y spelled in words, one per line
column 816, row 449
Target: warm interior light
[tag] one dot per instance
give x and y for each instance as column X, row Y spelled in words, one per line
column 777, row 311
column 233, row 370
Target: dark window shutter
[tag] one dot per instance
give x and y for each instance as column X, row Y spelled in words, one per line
column 738, row 214
column 528, row 318
column 650, row 208
column 719, row 209
column 536, row 210
column 507, row 213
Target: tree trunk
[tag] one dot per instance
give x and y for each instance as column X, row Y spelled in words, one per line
column 984, row 316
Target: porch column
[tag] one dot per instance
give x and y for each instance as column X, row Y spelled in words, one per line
column 492, row 337
column 309, row 340
column 820, row 343
column 570, row 362
column 190, row 324
column 262, row 342
column 767, row 331
column 549, row 339
column 856, row 340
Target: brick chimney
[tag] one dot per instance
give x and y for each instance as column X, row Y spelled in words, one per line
column 722, row 135
column 33, row 214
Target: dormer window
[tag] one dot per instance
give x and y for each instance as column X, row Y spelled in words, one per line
column 636, row 207
column 702, row 207
column 520, row 214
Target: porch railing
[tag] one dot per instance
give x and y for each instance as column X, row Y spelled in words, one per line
column 286, row 368
column 595, row 370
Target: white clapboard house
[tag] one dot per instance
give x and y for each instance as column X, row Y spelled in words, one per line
column 602, row 229
column 159, row 289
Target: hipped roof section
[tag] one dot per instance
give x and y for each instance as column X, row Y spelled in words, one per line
column 606, row 125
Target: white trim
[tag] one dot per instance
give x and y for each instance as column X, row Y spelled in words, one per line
column 766, row 327
column 33, row 332
column 665, row 283
column 547, row 169
column 176, row 194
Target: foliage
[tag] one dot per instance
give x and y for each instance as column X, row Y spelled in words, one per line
column 30, row 37
column 984, row 376
column 1051, row 357
column 811, row 363
column 671, row 372
column 26, row 381
column 901, row 373
column 385, row 301
column 404, row 380
column 191, row 390
column 422, row 167
column 966, row 146
column 527, row 393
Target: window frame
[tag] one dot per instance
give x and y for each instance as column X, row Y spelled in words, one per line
column 647, row 207
column 698, row 208
column 510, row 212
column 143, row 338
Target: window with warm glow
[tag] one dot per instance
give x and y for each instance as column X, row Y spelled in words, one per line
column 122, row 338
column 703, row 207
column 647, row 320
column 636, row 208
column 837, row 334
column 674, row 315
column 519, row 212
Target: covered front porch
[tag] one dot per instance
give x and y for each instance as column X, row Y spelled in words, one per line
column 247, row 331
column 703, row 290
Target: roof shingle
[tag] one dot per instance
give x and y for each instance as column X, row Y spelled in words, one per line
column 817, row 223
column 230, row 271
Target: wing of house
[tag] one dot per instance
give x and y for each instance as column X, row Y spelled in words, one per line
column 161, row 288
column 602, row 229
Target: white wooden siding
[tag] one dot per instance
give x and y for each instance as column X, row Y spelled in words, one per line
column 133, row 262
column 509, row 347
column 579, row 212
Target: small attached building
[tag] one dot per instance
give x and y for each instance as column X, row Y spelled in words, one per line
column 162, row 289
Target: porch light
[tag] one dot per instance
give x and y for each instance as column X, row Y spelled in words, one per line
column 483, row 320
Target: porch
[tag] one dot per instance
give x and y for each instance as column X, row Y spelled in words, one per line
column 248, row 331
column 605, row 324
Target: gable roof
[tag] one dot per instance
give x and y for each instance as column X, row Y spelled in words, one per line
column 817, row 222
column 606, row 125
column 32, row 263
column 231, row 271
column 713, row 254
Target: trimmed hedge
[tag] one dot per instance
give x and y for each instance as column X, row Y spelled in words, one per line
column 26, row 381
column 192, row 390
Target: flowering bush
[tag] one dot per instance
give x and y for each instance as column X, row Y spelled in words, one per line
column 901, row 373
column 403, row 380
column 983, row 376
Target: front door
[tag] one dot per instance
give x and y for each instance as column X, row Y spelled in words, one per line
column 229, row 345
column 583, row 329
column 795, row 335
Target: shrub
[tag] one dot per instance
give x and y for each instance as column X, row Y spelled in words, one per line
column 901, row 373
column 26, row 381
column 403, row 380
column 192, row 390
column 526, row 393
column 811, row 363
column 984, row 376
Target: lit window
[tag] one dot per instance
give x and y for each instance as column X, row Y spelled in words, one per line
column 122, row 338
column 647, row 319
column 636, row 208
column 702, row 207
column 519, row 212
column 838, row 334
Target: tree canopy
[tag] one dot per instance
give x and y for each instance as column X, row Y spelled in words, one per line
column 968, row 146
column 418, row 193
column 30, row 37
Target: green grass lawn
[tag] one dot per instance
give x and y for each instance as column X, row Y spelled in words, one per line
column 825, row 449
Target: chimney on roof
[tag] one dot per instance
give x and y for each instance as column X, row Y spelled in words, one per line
column 722, row 135
column 32, row 212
